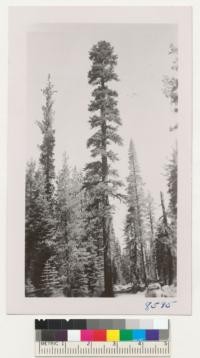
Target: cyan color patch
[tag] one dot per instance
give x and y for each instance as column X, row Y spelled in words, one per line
column 139, row 334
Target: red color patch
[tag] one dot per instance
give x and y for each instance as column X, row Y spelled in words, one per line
column 99, row 335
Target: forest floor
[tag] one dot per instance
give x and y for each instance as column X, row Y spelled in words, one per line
column 125, row 294
column 124, row 290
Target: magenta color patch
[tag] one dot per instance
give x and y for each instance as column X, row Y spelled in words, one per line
column 86, row 335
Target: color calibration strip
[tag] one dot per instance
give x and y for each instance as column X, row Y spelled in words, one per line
column 108, row 335
column 102, row 330
column 102, row 338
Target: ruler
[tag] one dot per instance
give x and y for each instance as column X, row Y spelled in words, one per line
column 102, row 349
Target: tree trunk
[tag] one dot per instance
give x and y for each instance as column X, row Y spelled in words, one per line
column 108, row 287
column 163, row 210
column 143, row 261
column 154, row 273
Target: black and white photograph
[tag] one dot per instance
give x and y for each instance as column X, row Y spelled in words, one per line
column 101, row 176
column 103, row 144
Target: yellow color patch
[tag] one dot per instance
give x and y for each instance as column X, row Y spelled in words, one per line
column 112, row 335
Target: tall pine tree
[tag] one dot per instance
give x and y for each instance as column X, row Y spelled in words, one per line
column 134, row 225
column 164, row 257
column 172, row 176
column 101, row 179
column 150, row 233
column 48, row 139
column 47, row 173
column 171, row 91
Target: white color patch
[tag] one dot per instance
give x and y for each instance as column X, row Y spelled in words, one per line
column 74, row 335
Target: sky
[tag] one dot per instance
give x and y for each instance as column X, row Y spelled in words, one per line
column 142, row 49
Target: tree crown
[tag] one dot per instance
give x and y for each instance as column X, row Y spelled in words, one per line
column 103, row 62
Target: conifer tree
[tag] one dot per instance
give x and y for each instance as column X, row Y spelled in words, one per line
column 126, row 266
column 48, row 139
column 172, row 177
column 41, row 223
column 116, row 260
column 172, row 174
column 78, row 278
column 63, row 217
column 50, row 280
column 170, row 83
column 93, row 241
column 164, row 258
column 150, row 233
column 171, row 91
column 134, row 226
column 72, row 255
column 30, row 210
column 39, row 227
column 101, row 179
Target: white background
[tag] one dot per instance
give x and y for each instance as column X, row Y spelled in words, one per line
column 17, row 332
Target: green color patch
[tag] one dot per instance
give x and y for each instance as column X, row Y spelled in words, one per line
column 126, row 335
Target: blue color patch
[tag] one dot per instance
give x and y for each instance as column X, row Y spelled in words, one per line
column 139, row 334
column 152, row 334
